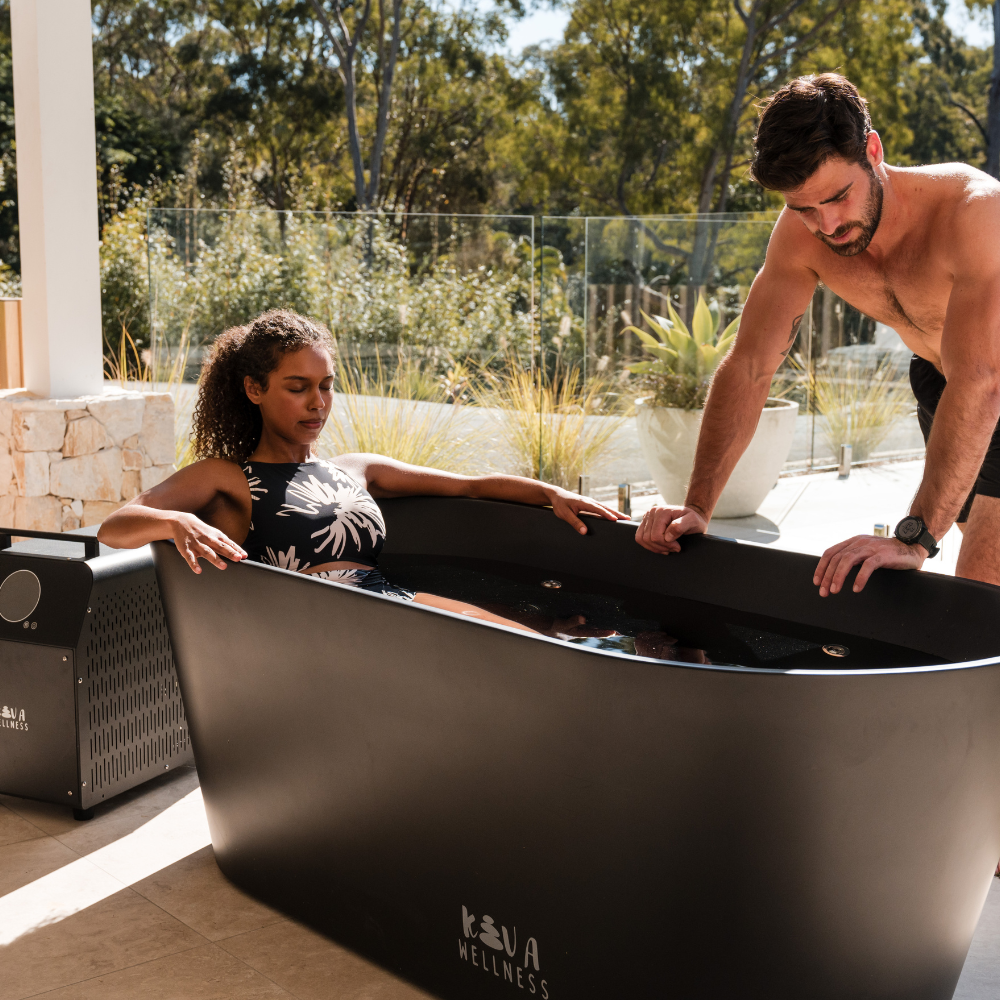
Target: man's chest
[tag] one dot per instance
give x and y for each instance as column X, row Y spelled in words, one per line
column 908, row 292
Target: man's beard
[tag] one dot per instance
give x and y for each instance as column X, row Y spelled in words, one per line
column 868, row 225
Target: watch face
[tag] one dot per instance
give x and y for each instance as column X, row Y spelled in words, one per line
column 909, row 529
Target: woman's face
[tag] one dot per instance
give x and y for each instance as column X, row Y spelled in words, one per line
column 296, row 403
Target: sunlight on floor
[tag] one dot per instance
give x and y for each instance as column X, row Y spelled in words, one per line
column 180, row 830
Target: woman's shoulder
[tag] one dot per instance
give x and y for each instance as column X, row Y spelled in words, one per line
column 219, row 471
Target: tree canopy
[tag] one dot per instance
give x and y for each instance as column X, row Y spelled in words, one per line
column 644, row 107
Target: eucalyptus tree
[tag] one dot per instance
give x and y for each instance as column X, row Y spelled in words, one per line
column 948, row 101
column 658, row 98
column 455, row 114
column 989, row 124
column 423, row 93
column 345, row 23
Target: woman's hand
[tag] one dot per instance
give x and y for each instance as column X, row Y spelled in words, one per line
column 568, row 505
column 197, row 540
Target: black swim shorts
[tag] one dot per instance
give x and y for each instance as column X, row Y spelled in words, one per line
column 928, row 384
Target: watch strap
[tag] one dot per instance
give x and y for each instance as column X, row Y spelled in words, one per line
column 925, row 538
column 929, row 542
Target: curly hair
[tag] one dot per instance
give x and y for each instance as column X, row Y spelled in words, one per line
column 226, row 424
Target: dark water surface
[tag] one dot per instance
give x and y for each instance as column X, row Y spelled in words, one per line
column 630, row 621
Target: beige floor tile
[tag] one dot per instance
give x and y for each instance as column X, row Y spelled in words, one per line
column 196, row 892
column 48, row 818
column 14, row 828
column 205, row 973
column 314, row 968
column 26, row 860
column 120, row 931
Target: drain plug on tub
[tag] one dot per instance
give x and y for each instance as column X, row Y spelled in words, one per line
column 833, row 649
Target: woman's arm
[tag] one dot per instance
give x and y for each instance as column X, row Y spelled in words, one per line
column 385, row 477
column 170, row 511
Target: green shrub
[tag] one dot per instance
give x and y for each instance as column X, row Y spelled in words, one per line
column 685, row 360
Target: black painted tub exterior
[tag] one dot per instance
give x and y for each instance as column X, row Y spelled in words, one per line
column 659, row 830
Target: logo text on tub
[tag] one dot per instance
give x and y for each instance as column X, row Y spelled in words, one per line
column 12, row 718
column 497, row 953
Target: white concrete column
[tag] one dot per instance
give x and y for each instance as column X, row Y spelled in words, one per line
column 57, row 196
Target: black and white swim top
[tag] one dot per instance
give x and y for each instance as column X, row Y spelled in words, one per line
column 308, row 514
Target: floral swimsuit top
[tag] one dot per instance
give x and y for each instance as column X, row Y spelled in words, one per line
column 309, row 514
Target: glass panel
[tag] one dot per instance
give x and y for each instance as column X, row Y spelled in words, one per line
column 461, row 284
column 608, row 285
column 433, row 314
column 491, row 350
column 857, row 385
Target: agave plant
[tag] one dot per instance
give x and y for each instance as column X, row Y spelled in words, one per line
column 684, row 359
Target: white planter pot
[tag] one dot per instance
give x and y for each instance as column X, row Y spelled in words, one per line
column 668, row 437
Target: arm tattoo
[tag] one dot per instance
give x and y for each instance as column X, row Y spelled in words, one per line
column 796, row 323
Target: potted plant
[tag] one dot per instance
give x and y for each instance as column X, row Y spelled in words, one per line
column 669, row 419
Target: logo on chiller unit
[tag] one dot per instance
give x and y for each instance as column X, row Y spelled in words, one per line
column 12, row 718
column 493, row 940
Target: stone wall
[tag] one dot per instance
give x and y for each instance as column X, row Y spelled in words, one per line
column 67, row 463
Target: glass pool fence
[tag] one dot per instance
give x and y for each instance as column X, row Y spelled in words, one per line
column 521, row 344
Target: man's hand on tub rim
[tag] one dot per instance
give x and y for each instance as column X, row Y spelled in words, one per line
column 869, row 552
column 662, row 526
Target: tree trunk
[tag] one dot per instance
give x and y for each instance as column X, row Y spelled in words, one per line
column 736, row 107
column 345, row 47
column 384, row 106
column 993, row 108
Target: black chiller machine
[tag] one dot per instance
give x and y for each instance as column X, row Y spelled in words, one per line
column 89, row 702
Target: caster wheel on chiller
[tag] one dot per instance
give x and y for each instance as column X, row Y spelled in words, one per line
column 82, row 814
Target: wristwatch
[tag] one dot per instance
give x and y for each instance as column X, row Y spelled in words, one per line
column 912, row 531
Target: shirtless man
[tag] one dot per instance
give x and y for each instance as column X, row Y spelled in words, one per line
column 917, row 248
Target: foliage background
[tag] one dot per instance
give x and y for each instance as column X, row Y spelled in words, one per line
column 237, row 104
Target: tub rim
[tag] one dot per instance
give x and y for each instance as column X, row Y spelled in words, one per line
column 634, row 658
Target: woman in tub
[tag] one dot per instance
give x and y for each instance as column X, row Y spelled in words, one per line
column 259, row 492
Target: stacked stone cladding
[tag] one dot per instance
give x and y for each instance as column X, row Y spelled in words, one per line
column 67, row 463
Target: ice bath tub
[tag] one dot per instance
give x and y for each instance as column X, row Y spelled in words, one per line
column 494, row 814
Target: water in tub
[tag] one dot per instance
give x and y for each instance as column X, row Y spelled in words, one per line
column 630, row 621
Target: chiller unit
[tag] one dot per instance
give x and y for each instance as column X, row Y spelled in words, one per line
column 89, row 701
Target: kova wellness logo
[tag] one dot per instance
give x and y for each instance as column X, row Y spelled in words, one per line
column 12, row 718
column 497, row 953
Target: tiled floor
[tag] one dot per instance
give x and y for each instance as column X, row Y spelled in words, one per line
column 135, row 927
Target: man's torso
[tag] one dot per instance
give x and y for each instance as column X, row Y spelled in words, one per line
column 907, row 283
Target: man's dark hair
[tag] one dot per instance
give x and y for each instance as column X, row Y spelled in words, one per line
column 805, row 123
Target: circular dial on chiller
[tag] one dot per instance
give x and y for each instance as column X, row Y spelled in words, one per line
column 19, row 595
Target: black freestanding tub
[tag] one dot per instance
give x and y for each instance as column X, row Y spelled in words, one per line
column 495, row 814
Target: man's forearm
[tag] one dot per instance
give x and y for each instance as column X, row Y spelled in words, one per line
column 732, row 412
column 964, row 422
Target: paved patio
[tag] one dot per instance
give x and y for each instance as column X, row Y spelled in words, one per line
column 132, row 904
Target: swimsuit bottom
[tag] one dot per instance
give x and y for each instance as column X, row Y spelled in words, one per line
column 928, row 384
column 370, row 580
